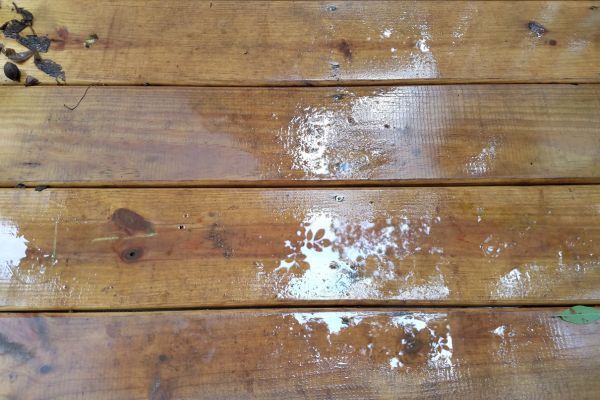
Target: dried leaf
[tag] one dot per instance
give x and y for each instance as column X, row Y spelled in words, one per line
column 12, row 72
column 27, row 16
column 11, row 29
column 51, row 68
column 580, row 315
column 18, row 57
column 40, row 44
column 31, row 81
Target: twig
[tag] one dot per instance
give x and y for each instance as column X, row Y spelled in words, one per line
column 80, row 100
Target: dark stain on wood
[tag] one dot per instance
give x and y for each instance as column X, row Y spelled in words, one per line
column 131, row 222
column 45, row 369
column 40, row 327
column 217, row 236
column 344, row 47
column 63, row 34
column 16, row 350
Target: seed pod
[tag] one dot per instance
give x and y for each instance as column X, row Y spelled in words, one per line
column 12, row 72
column 31, row 81
column 18, row 57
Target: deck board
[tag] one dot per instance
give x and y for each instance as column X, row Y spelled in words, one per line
column 313, row 43
column 157, row 248
column 297, row 354
column 475, row 134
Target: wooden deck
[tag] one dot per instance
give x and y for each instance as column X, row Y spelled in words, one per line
column 312, row 200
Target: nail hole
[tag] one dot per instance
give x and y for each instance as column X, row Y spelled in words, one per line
column 181, row 226
column 132, row 254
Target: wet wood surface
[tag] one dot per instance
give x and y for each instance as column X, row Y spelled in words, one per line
column 426, row 94
column 303, row 136
column 317, row 354
column 154, row 248
column 312, row 43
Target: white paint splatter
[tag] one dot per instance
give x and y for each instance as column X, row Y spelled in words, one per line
column 386, row 33
column 499, row 331
column 13, row 248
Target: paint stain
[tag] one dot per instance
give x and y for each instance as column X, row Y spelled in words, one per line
column 344, row 47
column 45, row 369
column 131, row 222
column 15, row 350
column 217, row 236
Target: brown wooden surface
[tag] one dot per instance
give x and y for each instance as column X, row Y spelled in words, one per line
column 153, row 248
column 302, row 136
column 260, row 43
column 339, row 354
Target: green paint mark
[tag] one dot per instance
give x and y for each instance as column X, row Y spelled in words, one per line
column 580, row 315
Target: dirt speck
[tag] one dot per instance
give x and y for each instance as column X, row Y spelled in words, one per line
column 89, row 42
column 536, row 28
column 552, row 42
column 217, row 236
column 131, row 222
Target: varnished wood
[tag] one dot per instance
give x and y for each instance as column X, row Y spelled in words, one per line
column 312, row 43
column 299, row 354
column 154, row 248
column 302, row 136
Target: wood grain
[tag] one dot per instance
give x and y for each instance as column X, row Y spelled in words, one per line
column 157, row 248
column 313, row 43
column 314, row 354
column 286, row 136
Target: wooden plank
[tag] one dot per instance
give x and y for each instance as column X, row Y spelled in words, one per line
column 315, row 354
column 235, row 136
column 311, row 43
column 156, row 248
